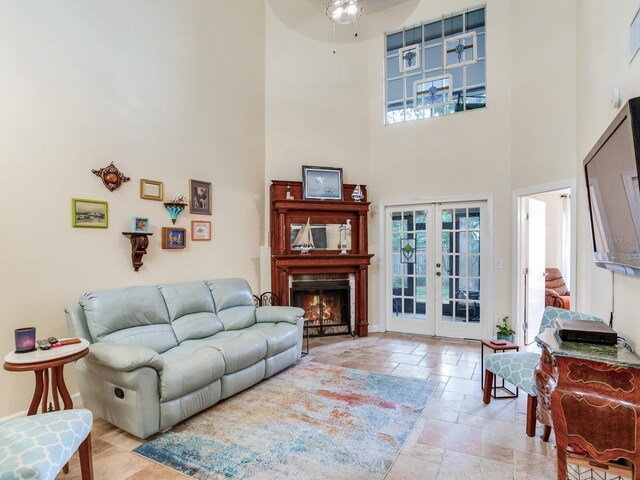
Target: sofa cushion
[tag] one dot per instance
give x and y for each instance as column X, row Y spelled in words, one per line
column 132, row 315
column 230, row 292
column 196, row 325
column 279, row 336
column 188, row 369
column 185, row 298
column 239, row 349
column 237, row 318
column 156, row 337
column 191, row 310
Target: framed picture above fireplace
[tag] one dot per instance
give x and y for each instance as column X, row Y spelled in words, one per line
column 321, row 183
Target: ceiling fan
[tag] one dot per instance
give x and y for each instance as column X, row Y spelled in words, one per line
column 344, row 12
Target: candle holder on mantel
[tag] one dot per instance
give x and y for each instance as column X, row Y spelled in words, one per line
column 139, row 244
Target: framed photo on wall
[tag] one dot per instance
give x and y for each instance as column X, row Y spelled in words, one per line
column 200, row 230
column 140, row 225
column 174, row 238
column 89, row 213
column 321, row 183
column 151, row 190
column 200, row 197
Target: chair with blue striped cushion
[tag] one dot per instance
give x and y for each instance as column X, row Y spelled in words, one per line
column 518, row 368
column 39, row 446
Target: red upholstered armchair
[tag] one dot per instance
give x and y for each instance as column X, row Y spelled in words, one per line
column 556, row 291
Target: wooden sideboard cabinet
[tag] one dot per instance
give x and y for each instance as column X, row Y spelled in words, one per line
column 590, row 395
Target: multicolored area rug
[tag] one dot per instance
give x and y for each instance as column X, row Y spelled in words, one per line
column 312, row 421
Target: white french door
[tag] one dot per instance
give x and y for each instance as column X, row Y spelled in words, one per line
column 410, row 289
column 435, row 264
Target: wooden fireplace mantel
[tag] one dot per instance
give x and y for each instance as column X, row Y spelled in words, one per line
column 286, row 262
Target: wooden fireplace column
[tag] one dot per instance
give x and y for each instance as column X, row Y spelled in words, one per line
column 286, row 262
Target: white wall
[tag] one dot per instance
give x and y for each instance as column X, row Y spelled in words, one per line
column 543, row 82
column 316, row 101
column 553, row 227
column 603, row 63
column 153, row 86
column 518, row 140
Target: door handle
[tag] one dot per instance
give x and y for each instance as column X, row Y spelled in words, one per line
column 438, row 265
column 438, row 274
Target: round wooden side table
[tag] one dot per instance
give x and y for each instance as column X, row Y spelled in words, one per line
column 48, row 366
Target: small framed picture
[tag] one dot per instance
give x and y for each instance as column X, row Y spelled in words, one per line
column 200, row 230
column 89, row 213
column 321, row 183
column 174, row 238
column 151, row 190
column 140, row 225
column 409, row 58
column 200, row 200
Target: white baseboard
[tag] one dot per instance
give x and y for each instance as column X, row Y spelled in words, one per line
column 374, row 329
column 77, row 403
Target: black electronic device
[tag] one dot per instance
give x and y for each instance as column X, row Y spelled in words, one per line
column 586, row 331
column 44, row 344
column 611, row 170
column 52, row 340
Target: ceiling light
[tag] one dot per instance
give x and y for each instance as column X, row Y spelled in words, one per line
column 344, row 12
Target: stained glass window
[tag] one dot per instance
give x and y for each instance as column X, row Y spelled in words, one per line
column 432, row 92
column 436, row 68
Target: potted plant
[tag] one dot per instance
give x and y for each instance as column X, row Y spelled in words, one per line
column 505, row 332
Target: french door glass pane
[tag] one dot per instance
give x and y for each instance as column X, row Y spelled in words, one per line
column 396, row 265
column 461, row 264
column 409, row 263
column 461, row 311
column 474, row 265
column 395, row 242
column 408, row 221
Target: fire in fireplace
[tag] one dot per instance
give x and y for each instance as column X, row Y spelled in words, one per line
column 326, row 306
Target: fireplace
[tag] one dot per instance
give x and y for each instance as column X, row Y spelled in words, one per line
column 289, row 209
column 327, row 305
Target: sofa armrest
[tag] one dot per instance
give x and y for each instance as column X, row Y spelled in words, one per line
column 551, row 293
column 124, row 358
column 278, row 314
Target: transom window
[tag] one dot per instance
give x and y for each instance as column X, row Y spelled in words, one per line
column 436, row 68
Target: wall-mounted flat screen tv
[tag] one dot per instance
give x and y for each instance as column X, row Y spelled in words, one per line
column 614, row 195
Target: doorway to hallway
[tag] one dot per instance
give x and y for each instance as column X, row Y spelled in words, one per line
column 544, row 253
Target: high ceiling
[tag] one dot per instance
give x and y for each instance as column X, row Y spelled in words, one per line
column 368, row 6
column 307, row 17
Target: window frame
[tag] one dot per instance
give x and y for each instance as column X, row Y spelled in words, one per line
column 406, row 103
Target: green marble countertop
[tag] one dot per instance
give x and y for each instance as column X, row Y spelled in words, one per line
column 612, row 354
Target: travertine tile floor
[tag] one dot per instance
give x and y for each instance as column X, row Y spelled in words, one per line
column 457, row 437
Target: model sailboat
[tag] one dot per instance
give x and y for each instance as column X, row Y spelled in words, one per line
column 304, row 239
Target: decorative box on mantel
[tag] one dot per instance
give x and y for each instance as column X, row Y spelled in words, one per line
column 324, row 263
